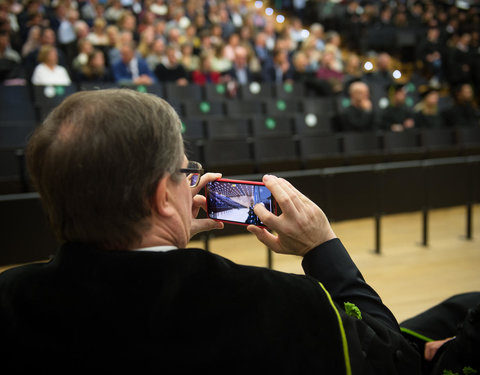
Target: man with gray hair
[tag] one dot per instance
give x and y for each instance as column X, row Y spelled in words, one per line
column 124, row 294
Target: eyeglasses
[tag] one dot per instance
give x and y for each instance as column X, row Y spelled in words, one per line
column 193, row 171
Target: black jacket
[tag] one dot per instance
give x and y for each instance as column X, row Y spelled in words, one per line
column 188, row 311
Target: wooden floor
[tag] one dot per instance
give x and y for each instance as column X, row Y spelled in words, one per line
column 409, row 277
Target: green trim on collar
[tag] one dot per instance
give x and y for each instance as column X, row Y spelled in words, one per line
column 415, row 334
column 348, row 367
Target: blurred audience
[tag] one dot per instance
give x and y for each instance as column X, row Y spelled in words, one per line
column 10, row 60
column 132, row 69
column 427, row 114
column 281, row 70
column 359, row 115
column 439, row 41
column 240, row 73
column 48, row 72
column 98, row 35
column 397, row 117
column 170, row 69
column 205, row 74
column 464, row 111
column 96, row 70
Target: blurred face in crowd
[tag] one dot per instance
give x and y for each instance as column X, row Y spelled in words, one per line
column 431, row 99
column 172, row 56
column 112, row 34
column 48, row 37
column 129, row 23
column 97, row 59
column 359, row 92
column 4, row 41
column 400, row 96
column 52, row 57
column 300, row 62
column 158, row 47
column 384, row 62
column 466, row 93
column 240, row 57
column 127, row 54
column 328, row 59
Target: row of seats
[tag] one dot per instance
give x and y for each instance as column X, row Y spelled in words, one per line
column 18, row 104
column 345, row 193
column 262, row 152
column 282, row 139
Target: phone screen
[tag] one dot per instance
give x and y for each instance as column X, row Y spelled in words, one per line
column 233, row 201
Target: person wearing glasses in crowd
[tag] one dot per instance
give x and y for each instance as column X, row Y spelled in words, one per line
column 125, row 294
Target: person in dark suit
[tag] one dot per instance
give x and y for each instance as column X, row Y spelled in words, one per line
column 464, row 112
column 426, row 112
column 132, row 69
column 359, row 115
column 171, row 69
column 281, row 70
column 47, row 37
column 397, row 116
column 240, row 73
column 125, row 294
column 447, row 335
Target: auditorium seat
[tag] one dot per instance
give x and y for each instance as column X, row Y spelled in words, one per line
column 45, row 98
column 361, row 148
column 191, row 91
column 439, row 142
column 280, row 107
column 24, row 229
column 272, row 126
column 15, row 133
column 255, row 91
column 320, row 106
column 402, row 146
column 228, row 156
column 16, row 104
column 320, row 151
column 273, row 154
column 468, row 139
column 312, row 124
column 203, row 109
column 242, row 108
column 88, row 86
column 13, row 178
column 214, row 91
column 156, row 88
column 294, row 90
column 193, row 134
column 227, row 128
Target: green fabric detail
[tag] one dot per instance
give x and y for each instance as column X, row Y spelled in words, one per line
column 348, row 367
column 353, row 310
column 415, row 334
column 466, row 371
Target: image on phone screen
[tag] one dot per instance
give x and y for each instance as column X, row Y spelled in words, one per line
column 233, row 201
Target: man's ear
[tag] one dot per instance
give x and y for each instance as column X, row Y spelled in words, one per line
column 162, row 204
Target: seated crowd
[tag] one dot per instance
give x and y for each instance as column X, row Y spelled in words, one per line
column 130, row 42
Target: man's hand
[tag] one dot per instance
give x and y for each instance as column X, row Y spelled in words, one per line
column 301, row 226
column 432, row 347
column 199, row 201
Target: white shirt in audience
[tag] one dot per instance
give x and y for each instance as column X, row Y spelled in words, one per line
column 43, row 75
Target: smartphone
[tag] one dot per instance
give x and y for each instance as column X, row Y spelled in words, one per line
column 232, row 201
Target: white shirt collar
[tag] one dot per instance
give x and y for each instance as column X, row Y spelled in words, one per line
column 158, row 248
